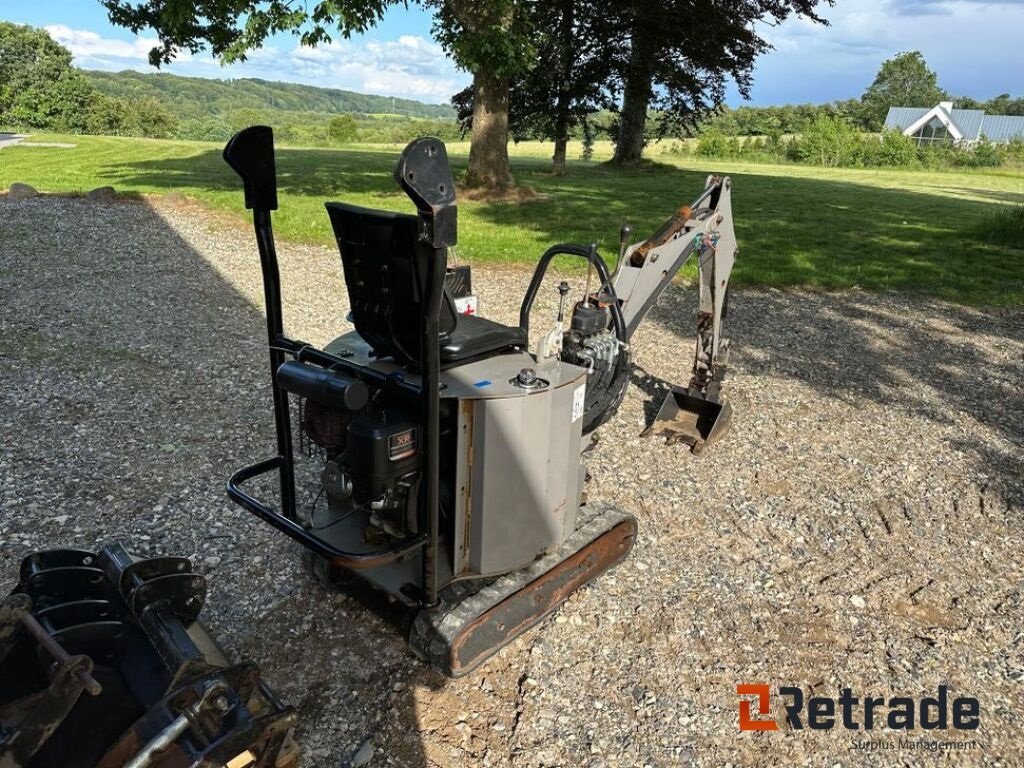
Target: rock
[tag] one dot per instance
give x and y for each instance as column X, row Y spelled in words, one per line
column 19, row 191
column 102, row 194
column 858, row 601
column 212, row 561
column 363, row 755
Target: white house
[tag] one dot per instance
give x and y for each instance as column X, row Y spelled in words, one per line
column 944, row 122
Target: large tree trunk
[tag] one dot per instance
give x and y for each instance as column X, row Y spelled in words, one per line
column 636, row 97
column 488, row 149
column 558, row 158
column 565, row 64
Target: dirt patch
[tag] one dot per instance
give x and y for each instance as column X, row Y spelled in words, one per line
column 517, row 194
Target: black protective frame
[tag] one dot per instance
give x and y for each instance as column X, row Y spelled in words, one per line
column 425, row 175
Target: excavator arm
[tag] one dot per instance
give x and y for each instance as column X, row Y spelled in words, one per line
column 694, row 414
column 601, row 324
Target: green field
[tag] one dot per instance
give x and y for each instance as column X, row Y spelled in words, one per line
column 912, row 231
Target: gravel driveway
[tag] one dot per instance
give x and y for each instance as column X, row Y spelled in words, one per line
column 861, row 526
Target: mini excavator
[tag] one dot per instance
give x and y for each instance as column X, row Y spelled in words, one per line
column 451, row 484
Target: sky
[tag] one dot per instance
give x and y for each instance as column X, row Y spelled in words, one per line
column 976, row 48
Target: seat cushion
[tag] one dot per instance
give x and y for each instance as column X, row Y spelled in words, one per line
column 477, row 337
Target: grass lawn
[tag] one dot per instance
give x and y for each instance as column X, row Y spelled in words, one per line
column 797, row 225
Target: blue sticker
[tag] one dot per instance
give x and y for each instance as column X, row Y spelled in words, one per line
column 484, row 383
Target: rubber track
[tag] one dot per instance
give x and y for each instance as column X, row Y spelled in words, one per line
column 433, row 631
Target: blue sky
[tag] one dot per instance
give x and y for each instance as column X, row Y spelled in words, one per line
column 976, row 47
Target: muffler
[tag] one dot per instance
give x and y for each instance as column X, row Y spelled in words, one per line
column 691, row 416
column 104, row 664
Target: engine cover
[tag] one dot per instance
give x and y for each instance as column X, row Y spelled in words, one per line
column 382, row 447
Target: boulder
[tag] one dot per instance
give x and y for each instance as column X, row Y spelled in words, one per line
column 102, row 194
column 20, row 191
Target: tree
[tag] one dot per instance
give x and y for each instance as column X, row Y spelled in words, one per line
column 39, row 87
column 570, row 79
column 1004, row 105
column 491, row 39
column 342, row 129
column 113, row 116
column 902, row 81
column 680, row 55
column 232, row 28
column 566, row 85
column 486, row 37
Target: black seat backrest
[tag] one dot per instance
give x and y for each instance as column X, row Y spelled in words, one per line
column 385, row 271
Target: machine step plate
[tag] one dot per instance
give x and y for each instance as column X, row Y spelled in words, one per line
column 473, row 622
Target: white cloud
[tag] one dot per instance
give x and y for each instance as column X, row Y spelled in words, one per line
column 92, row 50
column 407, row 67
column 410, row 66
column 815, row 63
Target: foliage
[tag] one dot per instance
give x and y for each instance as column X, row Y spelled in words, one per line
column 669, row 62
column 38, row 86
column 795, row 118
column 1004, row 226
column 341, row 129
column 985, row 155
column 232, row 28
column 713, row 143
column 491, row 34
column 206, row 129
column 121, row 117
column 902, row 81
column 831, row 142
column 1015, row 151
column 1003, row 104
column 893, row 149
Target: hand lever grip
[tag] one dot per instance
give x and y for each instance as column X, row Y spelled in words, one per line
column 250, row 153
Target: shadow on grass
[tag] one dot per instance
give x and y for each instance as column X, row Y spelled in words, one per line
column 792, row 231
column 999, row 195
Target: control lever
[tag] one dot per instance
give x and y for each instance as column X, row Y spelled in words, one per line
column 625, row 238
column 551, row 346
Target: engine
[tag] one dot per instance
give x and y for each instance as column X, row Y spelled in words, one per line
column 373, row 461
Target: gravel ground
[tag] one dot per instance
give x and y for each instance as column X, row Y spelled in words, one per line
column 861, row 525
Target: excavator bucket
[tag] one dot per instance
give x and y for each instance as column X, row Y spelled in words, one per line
column 692, row 417
column 104, row 664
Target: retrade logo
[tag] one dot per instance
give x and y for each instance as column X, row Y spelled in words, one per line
column 747, row 722
column 821, row 713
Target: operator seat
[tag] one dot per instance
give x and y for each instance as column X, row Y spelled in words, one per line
column 385, row 271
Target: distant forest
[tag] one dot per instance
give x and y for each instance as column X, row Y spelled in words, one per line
column 194, row 97
column 211, row 110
